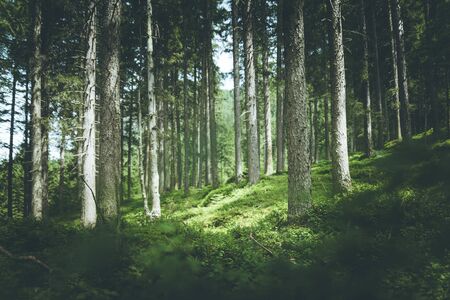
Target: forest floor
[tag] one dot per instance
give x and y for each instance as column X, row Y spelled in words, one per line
column 389, row 238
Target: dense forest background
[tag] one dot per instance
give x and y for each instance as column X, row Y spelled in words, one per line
column 129, row 170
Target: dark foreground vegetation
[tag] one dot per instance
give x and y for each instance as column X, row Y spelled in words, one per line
column 388, row 238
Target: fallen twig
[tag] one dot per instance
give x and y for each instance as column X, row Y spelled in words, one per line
column 25, row 257
column 261, row 245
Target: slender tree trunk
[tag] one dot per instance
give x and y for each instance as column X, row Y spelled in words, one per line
column 279, row 87
column 447, row 98
column 173, row 149
column 62, row 167
column 366, row 88
column 186, row 121
column 327, row 127
column 299, row 164
column 316, row 129
column 109, row 172
column 152, row 117
column 402, row 69
column 212, row 106
column 396, row 98
column 201, row 130
column 179, row 174
column 383, row 128
column 27, row 154
column 140, row 157
column 252, row 139
column 195, row 133
column 89, row 209
column 311, row 131
column 339, row 150
column 129, row 151
column 268, row 156
column 207, row 149
column 237, row 96
column 36, row 146
column 11, row 146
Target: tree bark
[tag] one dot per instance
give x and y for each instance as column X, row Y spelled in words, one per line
column 109, row 169
column 339, row 151
column 299, row 164
column 89, row 209
column 152, row 117
column 237, row 97
column 396, row 97
column 11, row 145
column 252, row 132
column 402, row 69
column 36, row 146
column 366, row 87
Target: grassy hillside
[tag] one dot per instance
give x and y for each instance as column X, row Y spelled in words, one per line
column 387, row 239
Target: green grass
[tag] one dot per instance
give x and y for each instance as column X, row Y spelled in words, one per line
column 388, row 238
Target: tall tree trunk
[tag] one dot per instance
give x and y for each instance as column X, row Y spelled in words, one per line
column 312, row 137
column 212, row 100
column 195, row 133
column 179, row 174
column 316, row 129
column 27, row 154
column 152, row 117
column 36, row 146
column 62, row 167
column 89, row 208
column 396, row 97
column 430, row 65
column 186, row 121
column 207, row 144
column 252, row 132
column 299, row 164
column 129, row 150
column 366, row 87
column 327, row 127
column 140, row 156
column 109, row 172
column 279, row 87
column 382, row 120
column 11, row 145
column 268, row 156
column 339, row 151
column 173, row 148
column 402, row 69
column 202, row 129
column 237, row 96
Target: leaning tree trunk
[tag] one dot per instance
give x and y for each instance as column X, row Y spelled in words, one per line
column 280, row 101
column 152, row 118
column 237, row 99
column 252, row 132
column 89, row 209
column 109, row 170
column 11, row 146
column 366, row 88
column 339, row 151
column 36, row 146
column 299, row 164
column 396, row 105
column 402, row 69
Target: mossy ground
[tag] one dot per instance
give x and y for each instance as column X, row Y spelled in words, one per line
column 388, row 238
